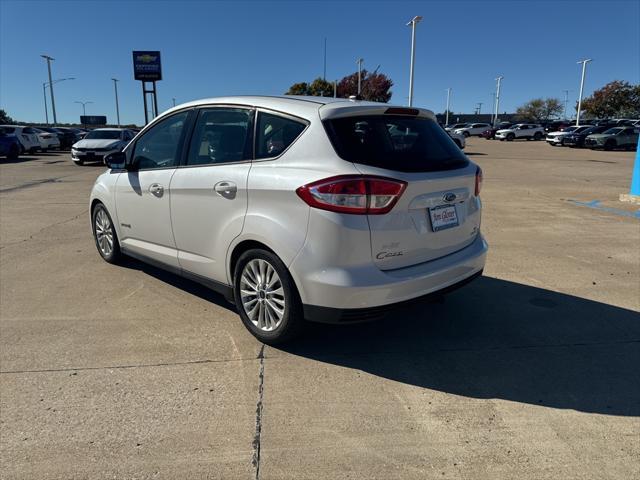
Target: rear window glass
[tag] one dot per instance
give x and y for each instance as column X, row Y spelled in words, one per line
column 395, row 142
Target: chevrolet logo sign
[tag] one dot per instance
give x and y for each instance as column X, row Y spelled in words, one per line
column 147, row 58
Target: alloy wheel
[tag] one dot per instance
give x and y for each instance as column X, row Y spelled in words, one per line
column 104, row 232
column 262, row 295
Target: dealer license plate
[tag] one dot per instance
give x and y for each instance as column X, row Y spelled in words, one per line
column 443, row 217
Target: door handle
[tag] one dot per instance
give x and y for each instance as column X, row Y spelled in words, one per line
column 225, row 188
column 156, row 189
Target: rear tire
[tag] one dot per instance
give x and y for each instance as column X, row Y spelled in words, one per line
column 267, row 298
column 537, row 136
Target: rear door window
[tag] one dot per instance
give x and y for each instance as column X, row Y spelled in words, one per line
column 275, row 134
column 395, row 142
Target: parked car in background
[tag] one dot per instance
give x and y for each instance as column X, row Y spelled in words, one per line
column 48, row 140
column 256, row 169
column 472, row 129
column 455, row 126
column 66, row 136
column 99, row 143
column 459, row 140
column 613, row 138
column 9, row 144
column 576, row 139
column 490, row 133
column 557, row 126
column 557, row 138
column 530, row 131
column 27, row 137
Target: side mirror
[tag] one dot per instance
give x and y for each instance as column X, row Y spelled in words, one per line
column 116, row 160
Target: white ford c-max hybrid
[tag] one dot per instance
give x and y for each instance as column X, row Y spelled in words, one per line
column 296, row 208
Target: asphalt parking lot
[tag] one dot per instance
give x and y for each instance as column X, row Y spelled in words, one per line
column 530, row 372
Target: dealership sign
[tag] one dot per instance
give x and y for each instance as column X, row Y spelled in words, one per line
column 93, row 120
column 146, row 66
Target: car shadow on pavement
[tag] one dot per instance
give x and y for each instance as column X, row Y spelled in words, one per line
column 496, row 339
column 177, row 281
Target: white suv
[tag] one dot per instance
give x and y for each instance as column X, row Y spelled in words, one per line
column 473, row 129
column 530, row 131
column 296, row 208
column 27, row 136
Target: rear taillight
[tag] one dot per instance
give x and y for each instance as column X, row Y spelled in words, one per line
column 478, row 181
column 355, row 194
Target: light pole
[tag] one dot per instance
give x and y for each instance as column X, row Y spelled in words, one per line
column 446, row 114
column 115, row 85
column 495, row 118
column 479, row 108
column 414, row 21
column 584, row 68
column 44, row 93
column 359, row 62
column 84, row 111
column 174, row 101
column 53, row 102
column 566, row 100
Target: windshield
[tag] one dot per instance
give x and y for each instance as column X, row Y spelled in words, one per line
column 569, row 129
column 612, row 131
column 103, row 135
column 395, row 142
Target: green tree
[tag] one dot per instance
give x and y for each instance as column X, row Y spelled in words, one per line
column 615, row 99
column 6, row 119
column 540, row 109
column 321, row 88
column 301, row 88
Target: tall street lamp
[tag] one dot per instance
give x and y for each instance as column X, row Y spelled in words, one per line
column 495, row 118
column 44, row 93
column 115, row 85
column 584, row 68
column 53, row 102
column 359, row 62
column 414, row 21
column 84, row 110
column 566, row 100
column 446, row 114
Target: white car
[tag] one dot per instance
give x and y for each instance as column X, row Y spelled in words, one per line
column 557, row 138
column 459, row 139
column 455, row 126
column 530, row 131
column 27, row 136
column 99, row 143
column 296, row 208
column 473, row 129
column 47, row 140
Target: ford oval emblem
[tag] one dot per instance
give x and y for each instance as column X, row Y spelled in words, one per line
column 449, row 197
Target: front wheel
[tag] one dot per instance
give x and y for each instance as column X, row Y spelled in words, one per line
column 267, row 298
column 609, row 145
column 510, row 137
column 537, row 136
column 104, row 234
column 466, row 134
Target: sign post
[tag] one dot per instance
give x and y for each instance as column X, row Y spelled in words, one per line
column 147, row 68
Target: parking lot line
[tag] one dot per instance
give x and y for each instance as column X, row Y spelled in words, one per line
column 595, row 204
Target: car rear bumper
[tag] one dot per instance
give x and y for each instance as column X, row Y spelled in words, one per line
column 335, row 288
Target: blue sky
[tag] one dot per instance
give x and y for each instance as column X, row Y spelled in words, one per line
column 223, row 48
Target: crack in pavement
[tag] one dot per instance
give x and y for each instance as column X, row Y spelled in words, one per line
column 61, row 222
column 116, row 367
column 257, row 439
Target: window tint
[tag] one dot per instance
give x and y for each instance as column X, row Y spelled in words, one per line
column 28, row 130
column 158, row 148
column 395, row 142
column 221, row 135
column 275, row 134
column 9, row 129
